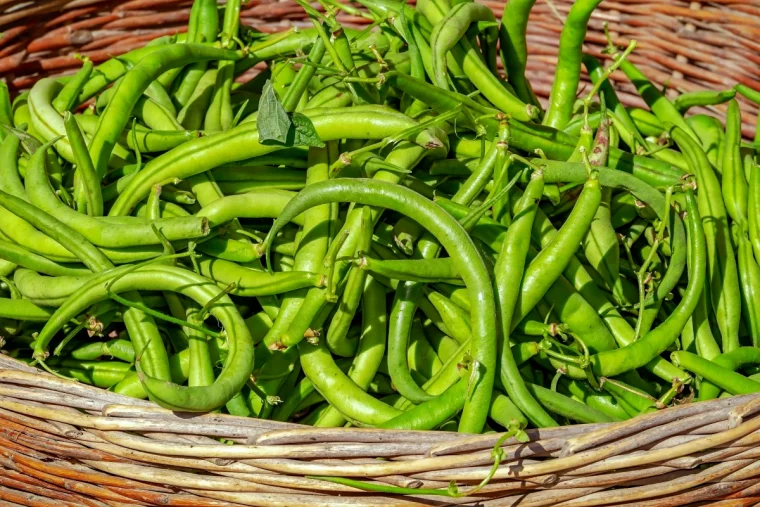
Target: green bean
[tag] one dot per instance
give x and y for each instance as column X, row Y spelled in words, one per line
column 567, row 76
column 444, row 346
column 302, row 397
column 633, row 400
column 85, row 171
column 734, row 360
column 514, row 21
column 337, row 340
column 567, row 407
column 21, row 111
column 194, row 108
column 70, row 239
column 541, row 273
column 7, row 267
column 438, row 99
column 67, row 98
column 46, row 123
column 120, row 349
column 508, row 273
column 487, row 230
column 236, row 246
column 580, row 316
column 722, row 377
column 148, row 141
column 398, row 342
column 250, row 282
column 422, row 358
column 103, row 374
column 449, row 30
column 27, row 236
column 652, row 172
column 305, row 74
column 371, row 348
column 10, row 181
column 567, row 300
column 455, row 320
column 405, row 155
column 601, row 244
column 662, row 108
column 99, row 231
column 585, row 140
column 155, row 115
column 710, row 133
column 261, row 204
column 645, row 122
column 748, row 93
column 596, row 400
column 219, row 115
column 111, row 70
column 734, row 184
column 754, row 210
column 23, row 309
column 427, row 271
column 47, row 291
column 141, row 326
column 749, row 277
column 574, row 127
column 6, row 109
column 706, row 344
column 554, row 171
column 203, row 26
column 504, row 412
column 179, row 365
column 703, row 98
column 722, row 271
column 749, row 162
column 259, row 185
column 134, row 82
column 427, row 416
column 145, row 337
column 348, row 398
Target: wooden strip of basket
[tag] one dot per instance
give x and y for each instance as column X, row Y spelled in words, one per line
column 64, row 443
column 684, row 45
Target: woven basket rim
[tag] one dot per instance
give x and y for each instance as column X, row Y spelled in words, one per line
column 116, row 442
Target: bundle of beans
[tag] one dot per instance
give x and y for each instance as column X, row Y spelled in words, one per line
column 381, row 229
column 684, row 46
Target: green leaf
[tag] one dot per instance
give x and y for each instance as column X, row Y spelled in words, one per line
column 304, row 132
column 272, row 121
column 28, row 142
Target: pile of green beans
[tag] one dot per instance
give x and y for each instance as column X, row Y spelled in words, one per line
column 381, row 229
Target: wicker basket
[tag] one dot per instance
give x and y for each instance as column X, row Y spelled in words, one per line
column 64, row 443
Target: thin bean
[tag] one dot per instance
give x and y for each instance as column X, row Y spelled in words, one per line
column 722, row 377
column 734, row 184
column 567, row 76
column 722, row 270
column 702, row 98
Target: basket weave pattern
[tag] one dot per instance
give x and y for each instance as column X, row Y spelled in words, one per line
column 64, row 443
column 687, row 45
